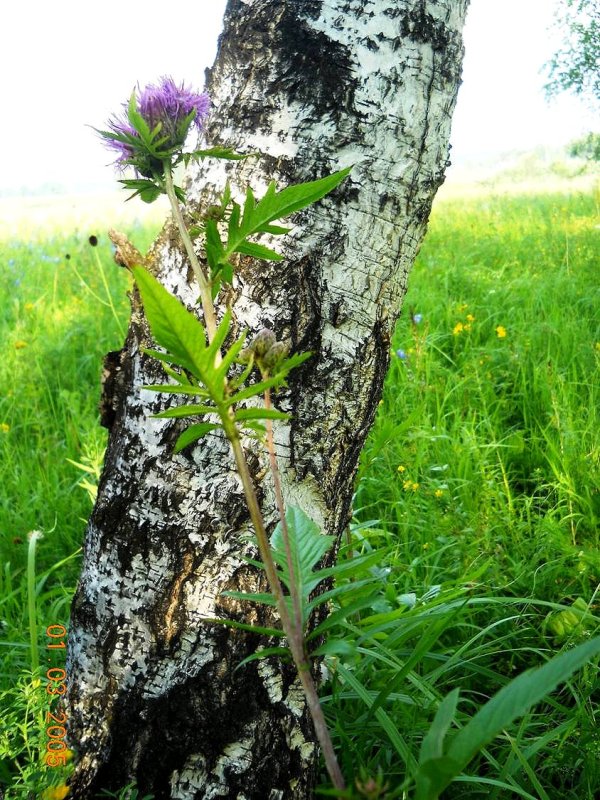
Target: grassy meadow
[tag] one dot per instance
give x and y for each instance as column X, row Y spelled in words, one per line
column 479, row 485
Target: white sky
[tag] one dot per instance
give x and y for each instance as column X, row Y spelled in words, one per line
column 69, row 64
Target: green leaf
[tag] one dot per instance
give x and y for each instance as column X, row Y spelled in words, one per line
column 172, row 325
column 511, row 702
column 220, row 152
column 433, row 776
column 193, row 433
column 258, row 251
column 254, row 390
column 432, row 745
column 276, row 205
column 385, row 721
column 252, row 597
column 267, row 652
column 341, row 648
column 517, row 697
column 213, row 245
column 169, row 388
column 185, row 411
column 307, row 545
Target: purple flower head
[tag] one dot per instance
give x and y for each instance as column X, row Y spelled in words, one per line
column 417, row 318
column 169, row 111
column 169, row 105
column 402, row 354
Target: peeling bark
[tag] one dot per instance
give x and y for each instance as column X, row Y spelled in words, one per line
column 316, row 86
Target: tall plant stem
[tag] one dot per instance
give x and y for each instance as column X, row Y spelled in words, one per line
column 205, row 290
column 293, row 633
column 281, row 509
column 292, row 629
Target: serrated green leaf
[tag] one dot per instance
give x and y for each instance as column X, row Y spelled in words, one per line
column 352, row 588
column 252, row 597
column 185, row 411
column 213, row 245
column 342, row 613
column 234, row 220
column 180, row 377
column 249, row 204
column 275, row 230
column 276, row 205
column 307, row 546
column 172, row 325
column 258, row 251
column 149, row 194
column 220, row 152
column 167, row 358
column 254, row 390
column 215, row 346
column 229, row 358
column 193, row 433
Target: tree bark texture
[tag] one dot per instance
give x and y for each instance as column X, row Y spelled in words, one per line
column 314, row 86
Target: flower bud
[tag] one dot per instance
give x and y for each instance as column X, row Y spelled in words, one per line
column 263, row 341
column 274, row 355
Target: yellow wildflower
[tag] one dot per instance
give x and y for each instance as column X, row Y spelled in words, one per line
column 500, row 331
column 438, row 493
column 407, row 485
column 414, row 487
column 56, row 792
column 470, row 318
column 20, row 344
column 458, row 328
column 28, row 306
column 4, row 427
column 401, row 468
column 462, row 307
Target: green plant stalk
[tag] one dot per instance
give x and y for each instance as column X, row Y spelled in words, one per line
column 31, row 604
column 204, row 284
column 281, row 509
column 293, row 631
column 294, row 634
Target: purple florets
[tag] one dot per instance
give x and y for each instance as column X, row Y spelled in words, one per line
column 170, row 104
column 171, row 107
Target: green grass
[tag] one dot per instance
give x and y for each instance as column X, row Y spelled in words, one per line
column 489, row 532
column 481, row 476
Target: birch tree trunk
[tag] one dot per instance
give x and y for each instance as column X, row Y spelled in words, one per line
column 315, row 86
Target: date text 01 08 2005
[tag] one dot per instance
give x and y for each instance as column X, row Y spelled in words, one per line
column 56, row 754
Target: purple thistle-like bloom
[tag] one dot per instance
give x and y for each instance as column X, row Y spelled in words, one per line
column 170, row 104
column 165, row 104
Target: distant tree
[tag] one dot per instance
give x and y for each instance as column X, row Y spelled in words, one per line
column 588, row 147
column 575, row 66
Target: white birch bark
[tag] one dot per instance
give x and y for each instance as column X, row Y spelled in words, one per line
column 315, row 86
